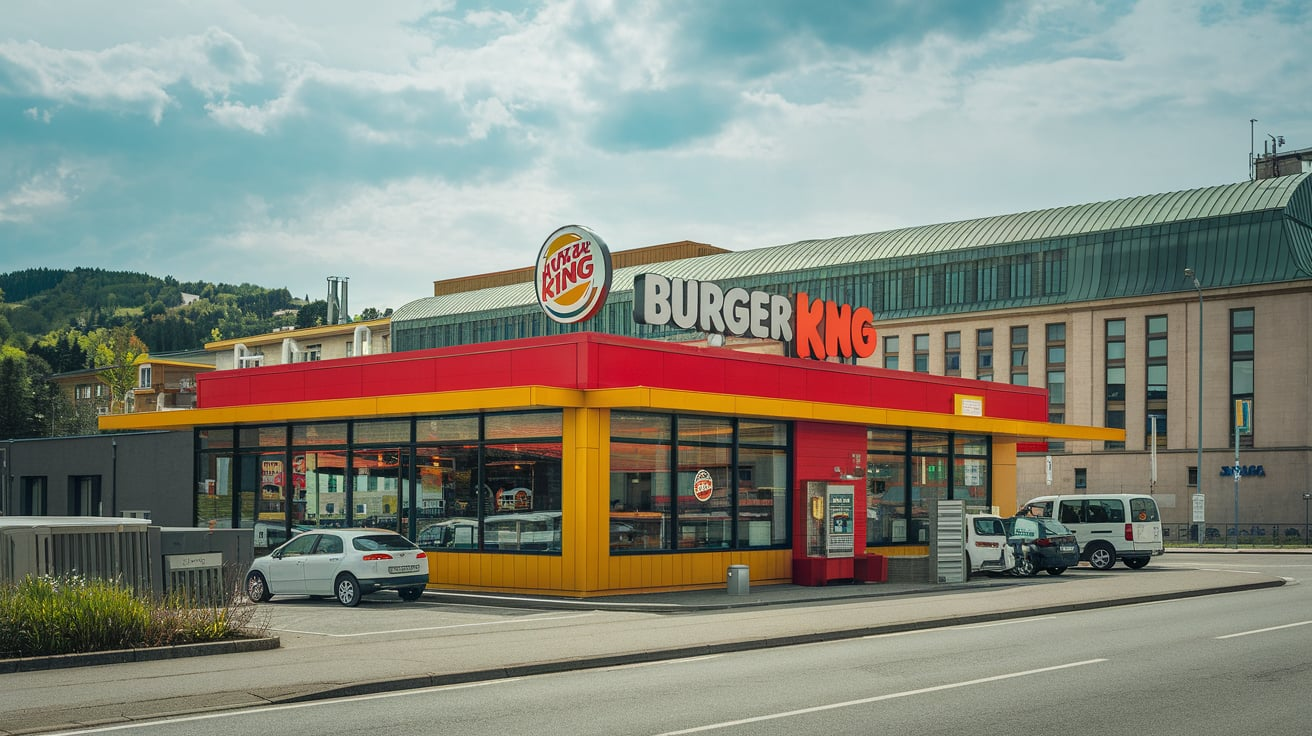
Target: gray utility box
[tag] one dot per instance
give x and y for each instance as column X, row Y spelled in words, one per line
column 205, row 565
column 88, row 546
column 739, row 580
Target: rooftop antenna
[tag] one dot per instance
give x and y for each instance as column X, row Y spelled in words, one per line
column 1252, row 150
column 1276, row 142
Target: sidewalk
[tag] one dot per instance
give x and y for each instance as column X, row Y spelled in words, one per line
column 523, row 636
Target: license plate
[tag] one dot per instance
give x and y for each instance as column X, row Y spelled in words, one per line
column 1068, row 548
column 396, row 569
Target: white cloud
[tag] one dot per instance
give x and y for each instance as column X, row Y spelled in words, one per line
column 40, row 195
column 394, row 240
column 130, row 75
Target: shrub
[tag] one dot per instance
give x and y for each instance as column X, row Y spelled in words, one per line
column 70, row 614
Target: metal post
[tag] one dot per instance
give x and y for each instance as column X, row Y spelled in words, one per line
column 1198, row 485
column 1235, row 471
column 1306, row 498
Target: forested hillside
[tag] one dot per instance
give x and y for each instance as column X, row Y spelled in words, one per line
column 55, row 321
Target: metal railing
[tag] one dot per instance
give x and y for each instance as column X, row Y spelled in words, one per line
column 1250, row 534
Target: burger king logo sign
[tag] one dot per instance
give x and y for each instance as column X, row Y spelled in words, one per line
column 702, row 485
column 573, row 274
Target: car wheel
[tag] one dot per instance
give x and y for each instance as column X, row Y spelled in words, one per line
column 1136, row 563
column 1025, row 568
column 347, row 590
column 410, row 594
column 1056, row 570
column 1102, row 557
column 257, row 589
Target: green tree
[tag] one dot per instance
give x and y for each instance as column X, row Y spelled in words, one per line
column 312, row 314
column 115, row 352
column 17, row 415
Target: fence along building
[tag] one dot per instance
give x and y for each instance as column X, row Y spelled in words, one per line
column 1089, row 301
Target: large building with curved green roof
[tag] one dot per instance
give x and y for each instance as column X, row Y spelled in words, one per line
column 1090, row 301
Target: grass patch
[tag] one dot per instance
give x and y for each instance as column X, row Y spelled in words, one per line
column 70, row 614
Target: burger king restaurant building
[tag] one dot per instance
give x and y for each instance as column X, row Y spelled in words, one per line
column 587, row 464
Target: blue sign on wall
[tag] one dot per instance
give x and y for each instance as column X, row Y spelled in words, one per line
column 1245, row 471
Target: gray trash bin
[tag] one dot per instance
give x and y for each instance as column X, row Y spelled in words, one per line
column 739, row 580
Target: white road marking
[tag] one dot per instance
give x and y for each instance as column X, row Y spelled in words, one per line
column 1263, row 631
column 877, row 698
column 289, row 706
column 435, row 628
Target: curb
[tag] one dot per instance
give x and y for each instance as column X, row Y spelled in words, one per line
column 148, row 654
column 414, row 682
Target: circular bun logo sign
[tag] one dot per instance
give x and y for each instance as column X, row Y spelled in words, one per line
column 573, row 274
column 702, row 485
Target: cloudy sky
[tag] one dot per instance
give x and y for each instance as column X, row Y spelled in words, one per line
column 399, row 142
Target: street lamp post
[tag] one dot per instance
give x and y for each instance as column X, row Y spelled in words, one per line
column 1198, row 475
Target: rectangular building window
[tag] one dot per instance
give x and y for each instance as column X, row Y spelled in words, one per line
column 1241, row 370
column 1055, row 345
column 984, row 355
column 1114, row 395
column 1155, row 395
column 890, row 352
column 1020, row 361
column 920, row 354
column 954, row 285
column 1081, row 479
column 33, row 502
column 893, row 291
column 952, row 353
column 986, row 282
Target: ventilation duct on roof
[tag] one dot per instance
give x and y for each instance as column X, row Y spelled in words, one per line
column 361, row 340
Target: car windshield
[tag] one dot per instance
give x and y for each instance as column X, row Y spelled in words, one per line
column 374, row 542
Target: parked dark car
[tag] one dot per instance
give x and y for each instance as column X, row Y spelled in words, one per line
column 1041, row 544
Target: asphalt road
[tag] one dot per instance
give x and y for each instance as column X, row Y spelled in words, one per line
column 1233, row 663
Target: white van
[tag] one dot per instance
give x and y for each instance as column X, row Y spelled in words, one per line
column 1108, row 526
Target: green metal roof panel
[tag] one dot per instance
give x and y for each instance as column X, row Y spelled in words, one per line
column 1026, row 232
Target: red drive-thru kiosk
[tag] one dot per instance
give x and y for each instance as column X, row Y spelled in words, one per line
column 589, row 464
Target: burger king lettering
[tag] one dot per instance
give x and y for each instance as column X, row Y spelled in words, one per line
column 816, row 328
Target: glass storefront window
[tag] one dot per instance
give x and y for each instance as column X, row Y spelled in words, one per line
column 640, row 509
column 446, row 429
column 528, row 424
column 705, row 495
column 762, row 497
column 331, row 433
column 886, row 497
column 214, row 490
column 448, row 497
column 380, row 488
column 275, row 436
column 763, row 433
column 214, row 439
column 390, row 432
column 522, row 488
column 716, row 503
column 319, row 488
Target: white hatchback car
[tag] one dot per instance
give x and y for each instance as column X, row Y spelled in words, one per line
column 343, row 563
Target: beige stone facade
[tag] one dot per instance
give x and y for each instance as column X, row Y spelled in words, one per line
column 1282, row 431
